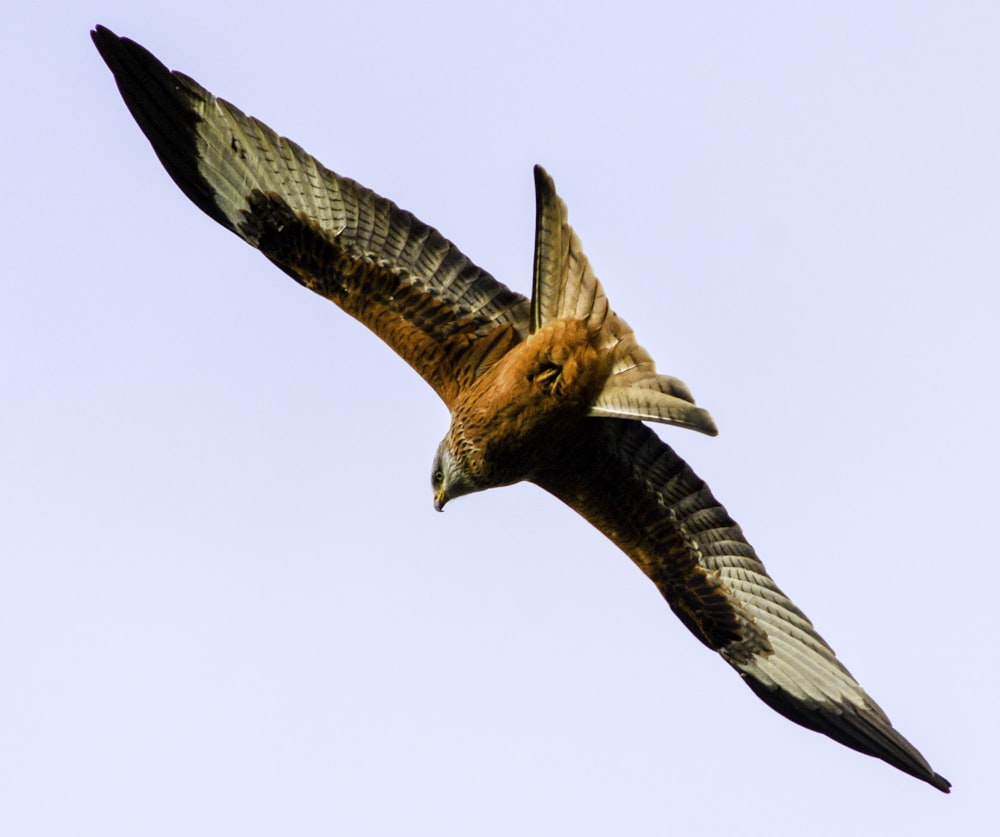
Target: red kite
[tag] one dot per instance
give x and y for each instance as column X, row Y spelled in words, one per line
column 553, row 390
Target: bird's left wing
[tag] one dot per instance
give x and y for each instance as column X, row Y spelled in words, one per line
column 404, row 280
column 632, row 486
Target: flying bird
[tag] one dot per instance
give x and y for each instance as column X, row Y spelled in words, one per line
column 553, row 389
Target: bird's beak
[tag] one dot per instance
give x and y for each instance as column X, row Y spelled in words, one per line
column 439, row 500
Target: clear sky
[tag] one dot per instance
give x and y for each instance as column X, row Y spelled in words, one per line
column 226, row 603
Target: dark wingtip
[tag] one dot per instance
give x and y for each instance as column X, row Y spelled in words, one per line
column 109, row 45
column 939, row 782
column 101, row 34
column 864, row 732
column 163, row 105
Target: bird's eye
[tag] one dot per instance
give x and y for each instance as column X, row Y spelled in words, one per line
column 438, row 477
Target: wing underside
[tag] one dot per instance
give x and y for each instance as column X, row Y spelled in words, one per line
column 397, row 275
column 633, row 487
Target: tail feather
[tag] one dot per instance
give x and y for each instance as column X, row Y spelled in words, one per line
column 565, row 285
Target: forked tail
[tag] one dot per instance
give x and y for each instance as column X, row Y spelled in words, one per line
column 564, row 285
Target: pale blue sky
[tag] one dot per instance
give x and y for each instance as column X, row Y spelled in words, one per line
column 226, row 603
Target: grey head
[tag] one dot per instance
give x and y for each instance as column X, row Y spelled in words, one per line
column 449, row 476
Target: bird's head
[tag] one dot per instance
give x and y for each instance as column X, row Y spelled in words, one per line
column 449, row 478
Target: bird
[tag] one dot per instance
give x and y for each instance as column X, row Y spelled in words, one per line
column 554, row 389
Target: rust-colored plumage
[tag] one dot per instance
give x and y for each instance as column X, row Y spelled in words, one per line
column 552, row 390
column 509, row 424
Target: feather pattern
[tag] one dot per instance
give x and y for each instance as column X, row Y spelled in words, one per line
column 395, row 274
column 636, row 489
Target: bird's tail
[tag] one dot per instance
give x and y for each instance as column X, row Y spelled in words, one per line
column 565, row 286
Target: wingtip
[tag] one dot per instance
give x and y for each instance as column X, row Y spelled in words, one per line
column 166, row 107
column 866, row 731
column 102, row 37
column 938, row 781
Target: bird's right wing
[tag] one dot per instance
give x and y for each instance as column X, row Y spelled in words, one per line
column 632, row 486
column 395, row 274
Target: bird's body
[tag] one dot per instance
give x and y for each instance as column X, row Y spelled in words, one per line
column 539, row 393
column 553, row 390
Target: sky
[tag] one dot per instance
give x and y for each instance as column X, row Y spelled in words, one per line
column 226, row 603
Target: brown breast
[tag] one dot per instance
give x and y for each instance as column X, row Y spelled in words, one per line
column 511, row 421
